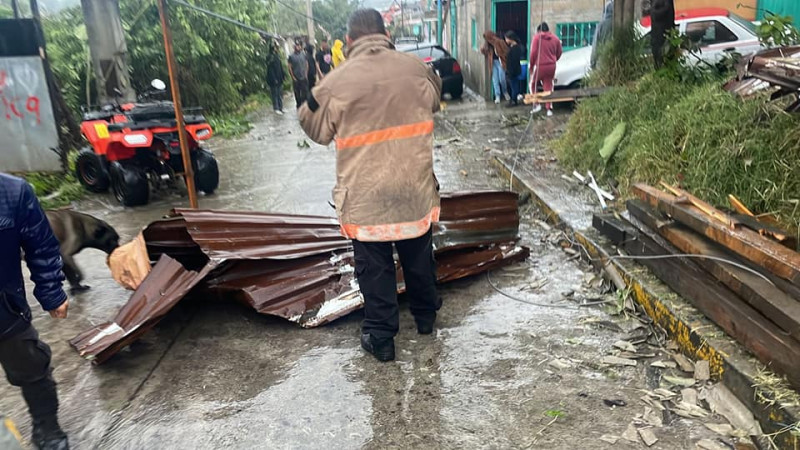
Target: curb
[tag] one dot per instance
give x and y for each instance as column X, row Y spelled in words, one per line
column 696, row 336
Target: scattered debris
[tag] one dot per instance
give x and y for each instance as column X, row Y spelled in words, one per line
column 702, row 371
column 664, row 364
column 648, row 436
column 625, row 346
column 723, row 402
column 708, row 444
column 685, row 363
column 631, row 434
column 689, row 396
column 609, row 439
column 723, row 429
column 679, row 381
column 617, row 361
column 559, row 364
column 653, row 417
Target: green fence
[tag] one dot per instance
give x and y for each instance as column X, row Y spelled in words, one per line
column 780, row 7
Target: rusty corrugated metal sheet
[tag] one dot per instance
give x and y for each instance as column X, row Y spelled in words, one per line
column 163, row 287
column 776, row 69
column 295, row 267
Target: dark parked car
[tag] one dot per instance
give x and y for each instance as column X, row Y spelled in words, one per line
column 445, row 65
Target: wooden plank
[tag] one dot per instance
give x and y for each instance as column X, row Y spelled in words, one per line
column 738, row 206
column 738, row 319
column 758, row 292
column 775, row 233
column 776, row 258
column 563, row 95
column 687, row 197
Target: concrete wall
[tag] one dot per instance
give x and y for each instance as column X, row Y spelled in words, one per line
column 747, row 10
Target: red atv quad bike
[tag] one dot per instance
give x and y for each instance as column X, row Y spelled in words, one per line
column 135, row 148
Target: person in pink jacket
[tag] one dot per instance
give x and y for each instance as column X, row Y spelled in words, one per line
column 545, row 52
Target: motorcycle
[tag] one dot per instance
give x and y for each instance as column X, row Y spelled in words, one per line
column 134, row 148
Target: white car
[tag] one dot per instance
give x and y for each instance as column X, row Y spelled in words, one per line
column 718, row 31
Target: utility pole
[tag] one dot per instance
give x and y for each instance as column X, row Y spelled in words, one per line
column 310, row 22
column 172, row 67
column 15, row 8
column 108, row 49
column 402, row 18
column 439, row 22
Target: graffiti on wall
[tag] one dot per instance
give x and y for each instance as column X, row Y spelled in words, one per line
column 26, row 117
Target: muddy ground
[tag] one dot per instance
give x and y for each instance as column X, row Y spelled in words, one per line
column 498, row 373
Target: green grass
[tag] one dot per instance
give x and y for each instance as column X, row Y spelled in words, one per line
column 696, row 135
column 55, row 190
column 230, row 125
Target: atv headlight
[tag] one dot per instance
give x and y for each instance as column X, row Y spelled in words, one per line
column 135, row 139
column 203, row 133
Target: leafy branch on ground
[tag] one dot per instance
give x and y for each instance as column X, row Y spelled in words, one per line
column 776, row 31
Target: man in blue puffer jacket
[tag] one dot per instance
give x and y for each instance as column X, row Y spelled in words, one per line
column 26, row 359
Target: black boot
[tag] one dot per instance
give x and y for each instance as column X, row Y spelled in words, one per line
column 47, row 435
column 425, row 324
column 381, row 348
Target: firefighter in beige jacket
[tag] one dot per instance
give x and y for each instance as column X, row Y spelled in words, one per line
column 378, row 106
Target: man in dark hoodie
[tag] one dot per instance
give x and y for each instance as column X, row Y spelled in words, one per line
column 275, row 77
column 513, row 65
column 546, row 50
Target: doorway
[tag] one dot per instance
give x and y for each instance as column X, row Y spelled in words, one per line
column 512, row 16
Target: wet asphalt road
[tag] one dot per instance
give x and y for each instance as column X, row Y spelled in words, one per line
column 217, row 375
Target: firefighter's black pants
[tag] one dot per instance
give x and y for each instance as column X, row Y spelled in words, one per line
column 26, row 362
column 375, row 270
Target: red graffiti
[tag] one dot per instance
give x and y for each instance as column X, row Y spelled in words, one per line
column 32, row 105
column 3, row 77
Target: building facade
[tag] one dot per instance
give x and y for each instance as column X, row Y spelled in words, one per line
column 573, row 21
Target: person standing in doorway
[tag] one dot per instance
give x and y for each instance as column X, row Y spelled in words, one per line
column 324, row 60
column 386, row 194
column 513, row 66
column 545, row 52
column 24, row 357
column 312, row 66
column 298, row 70
column 496, row 50
column 275, row 77
column 337, row 53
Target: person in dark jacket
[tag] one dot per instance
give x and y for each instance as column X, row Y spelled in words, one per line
column 275, row 77
column 513, row 65
column 312, row 66
column 26, row 359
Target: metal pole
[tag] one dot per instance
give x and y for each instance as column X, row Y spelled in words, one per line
column 15, row 8
column 453, row 29
column 439, row 22
column 310, row 22
column 172, row 68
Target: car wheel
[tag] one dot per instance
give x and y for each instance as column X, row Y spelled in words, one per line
column 91, row 172
column 206, row 171
column 457, row 92
column 129, row 184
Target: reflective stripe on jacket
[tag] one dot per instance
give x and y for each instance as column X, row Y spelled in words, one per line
column 379, row 108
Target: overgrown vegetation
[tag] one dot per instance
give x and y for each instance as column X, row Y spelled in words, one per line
column 682, row 127
column 220, row 64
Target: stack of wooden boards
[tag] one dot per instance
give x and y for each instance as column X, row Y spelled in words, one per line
column 741, row 273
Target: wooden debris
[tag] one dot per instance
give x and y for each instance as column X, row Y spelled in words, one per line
column 706, row 208
column 723, row 402
column 685, row 363
column 679, row 381
column 723, row 429
column 708, row 444
column 702, row 371
column 739, row 206
column 609, row 439
column 625, row 346
column 689, row 396
column 617, row 361
column 768, row 254
column 631, row 434
column 648, row 436
column 761, row 293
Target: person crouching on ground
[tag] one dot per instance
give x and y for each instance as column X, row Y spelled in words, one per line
column 25, row 358
column 513, row 66
column 298, row 69
column 495, row 49
column 275, row 77
column 379, row 108
column 545, row 52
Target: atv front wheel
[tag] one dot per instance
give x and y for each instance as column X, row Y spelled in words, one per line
column 206, row 171
column 91, row 172
column 129, row 184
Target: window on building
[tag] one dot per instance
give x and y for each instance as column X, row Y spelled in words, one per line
column 474, row 34
column 709, row 32
column 574, row 35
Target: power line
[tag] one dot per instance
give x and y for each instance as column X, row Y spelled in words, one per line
column 226, row 19
column 291, row 8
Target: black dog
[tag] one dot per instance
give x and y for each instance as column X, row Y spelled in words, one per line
column 76, row 231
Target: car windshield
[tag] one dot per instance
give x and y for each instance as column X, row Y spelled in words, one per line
column 427, row 53
column 750, row 26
